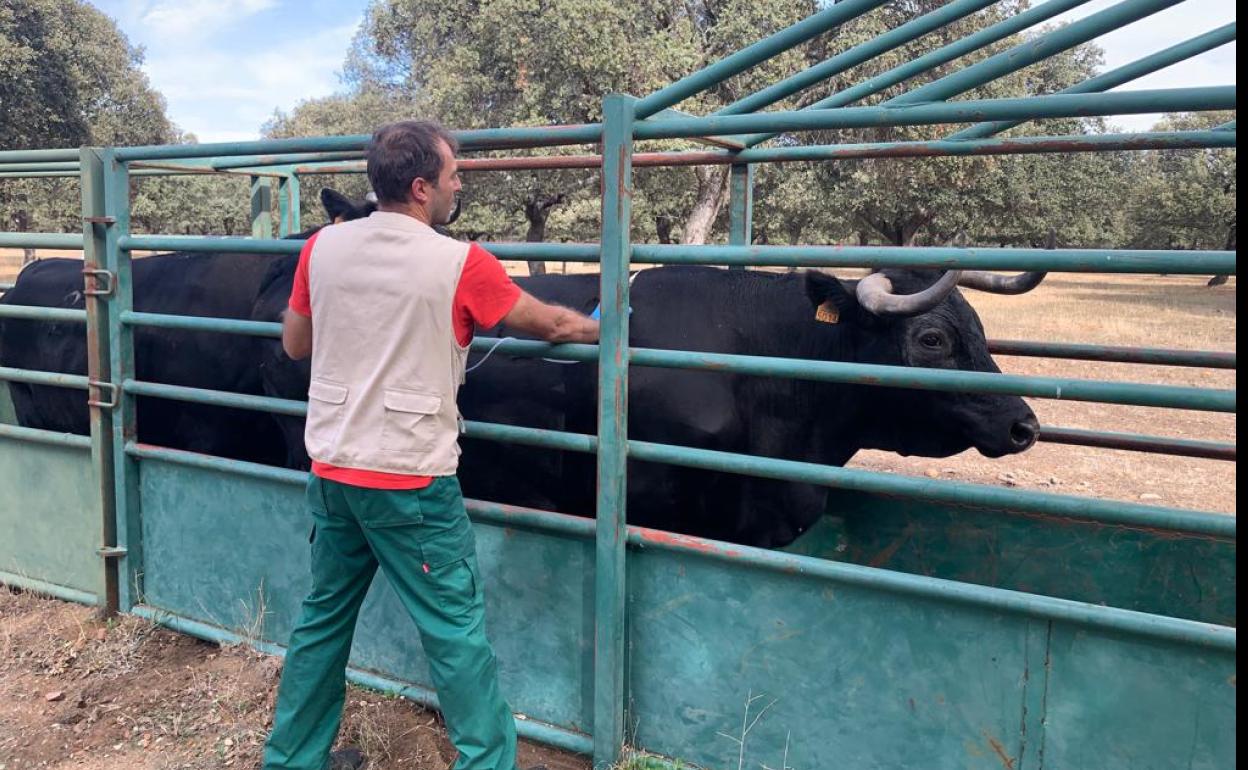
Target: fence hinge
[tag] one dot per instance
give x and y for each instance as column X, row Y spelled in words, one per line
column 111, row 552
column 100, row 220
column 100, row 275
column 97, row 397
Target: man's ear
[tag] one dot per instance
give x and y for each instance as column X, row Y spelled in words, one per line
column 834, row 302
column 336, row 204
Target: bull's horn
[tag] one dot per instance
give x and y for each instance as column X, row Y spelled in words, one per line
column 459, row 205
column 1000, row 284
column 875, row 294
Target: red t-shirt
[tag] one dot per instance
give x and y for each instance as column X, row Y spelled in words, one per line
column 484, row 295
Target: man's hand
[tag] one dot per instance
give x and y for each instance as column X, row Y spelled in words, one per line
column 296, row 335
column 550, row 322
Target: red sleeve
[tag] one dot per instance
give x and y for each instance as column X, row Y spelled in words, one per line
column 300, row 294
column 485, row 294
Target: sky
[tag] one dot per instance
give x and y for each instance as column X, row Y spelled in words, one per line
column 225, row 66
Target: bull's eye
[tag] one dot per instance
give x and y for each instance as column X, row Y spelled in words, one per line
column 932, row 341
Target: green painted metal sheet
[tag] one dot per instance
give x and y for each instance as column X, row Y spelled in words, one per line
column 233, row 552
column 49, row 515
column 1179, row 575
column 7, row 415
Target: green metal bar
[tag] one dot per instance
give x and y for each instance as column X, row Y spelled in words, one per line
column 215, row 397
column 945, row 258
column 1061, row 610
column 1120, row 75
column 970, row 111
column 906, row 33
column 203, row 324
column 254, row 161
column 98, row 319
column 1228, row 126
column 943, row 55
column 48, row 589
column 40, row 436
column 210, row 244
column 288, row 195
column 1031, row 51
column 480, row 139
column 129, row 524
column 261, row 207
column 58, row 166
column 38, row 313
column 1211, row 359
column 751, row 55
column 741, row 205
column 56, row 379
column 6, row 285
column 1131, row 442
column 610, row 582
column 40, row 240
column 39, row 156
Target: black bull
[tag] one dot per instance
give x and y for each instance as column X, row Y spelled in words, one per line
column 700, row 309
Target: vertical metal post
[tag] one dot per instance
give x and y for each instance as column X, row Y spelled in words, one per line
column 261, row 207
column 609, row 562
column 741, row 206
column 288, row 204
column 121, row 368
column 95, row 227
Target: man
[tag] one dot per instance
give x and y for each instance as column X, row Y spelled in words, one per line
column 386, row 308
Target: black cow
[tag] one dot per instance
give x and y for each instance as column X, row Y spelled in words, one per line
column 902, row 318
column 218, row 285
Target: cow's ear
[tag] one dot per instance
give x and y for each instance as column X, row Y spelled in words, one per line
column 336, row 204
column 833, row 300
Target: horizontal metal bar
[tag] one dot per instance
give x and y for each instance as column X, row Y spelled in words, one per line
column 37, row 313
column 1211, row 450
column 56, row 379
column 40, row 436
column 5, row 285
column 39, row 156
column 200, row 323
column 46, row 166
column 1120, row 75
column 529, row 729
column 1003, row 600
column 906, row 33
column 1209, row 359
column 777, row 561
column 215, row 397
column 745, row 58
column 48, row 589
column 222, row 245
column 479, row 139
column 255, row 161
column 41, row 240
column 944, row 258
column 969, row 111
column 213, row 463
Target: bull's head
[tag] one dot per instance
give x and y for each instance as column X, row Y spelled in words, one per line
column 918, row 318
column 340, row 208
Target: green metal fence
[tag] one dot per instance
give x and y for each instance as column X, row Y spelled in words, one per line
column 931, row 663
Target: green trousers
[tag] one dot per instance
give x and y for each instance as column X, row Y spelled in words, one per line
column 424, row 542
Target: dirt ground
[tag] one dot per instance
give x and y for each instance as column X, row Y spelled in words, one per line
column 76, row 692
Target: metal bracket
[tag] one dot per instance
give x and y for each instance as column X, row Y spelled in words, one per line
column 105, row 388
column 100, row 220
column 111, row 552
column 98, row 274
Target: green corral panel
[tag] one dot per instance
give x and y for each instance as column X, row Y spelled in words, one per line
column 7, row 415
column 1135, row 704
column 228, row 550
column 1160, row 572
column 50, row 516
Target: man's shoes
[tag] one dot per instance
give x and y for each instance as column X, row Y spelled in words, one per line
column 347, row 759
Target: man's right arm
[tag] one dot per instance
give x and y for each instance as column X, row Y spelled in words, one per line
column 552, row 323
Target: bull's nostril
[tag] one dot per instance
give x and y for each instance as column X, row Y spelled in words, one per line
column 1024, row 433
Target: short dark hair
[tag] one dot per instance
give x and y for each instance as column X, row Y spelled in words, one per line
column 402, row 152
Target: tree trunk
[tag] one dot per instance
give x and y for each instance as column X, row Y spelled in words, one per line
column 663, row 226
column 1218, row 280
column 537, row 210
column 712, row 190
column 21, row 222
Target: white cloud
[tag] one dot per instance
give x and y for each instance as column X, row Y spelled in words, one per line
column 197, row 18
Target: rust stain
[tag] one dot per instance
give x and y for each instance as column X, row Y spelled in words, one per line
column 684, row 541
column 1006, row 760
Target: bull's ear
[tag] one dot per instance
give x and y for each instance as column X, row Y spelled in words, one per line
column 830, row 296
column 336, row 204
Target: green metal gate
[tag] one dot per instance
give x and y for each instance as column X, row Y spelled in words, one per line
column 1118, row 653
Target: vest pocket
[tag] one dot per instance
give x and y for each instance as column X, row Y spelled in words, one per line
column 325, row 416
column 410, row 423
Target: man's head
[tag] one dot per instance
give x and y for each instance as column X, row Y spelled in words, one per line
column 412, row 167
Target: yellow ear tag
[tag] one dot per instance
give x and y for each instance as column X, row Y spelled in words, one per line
column 828, row 314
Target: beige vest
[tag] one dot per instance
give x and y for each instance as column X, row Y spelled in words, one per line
column 386, row 366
